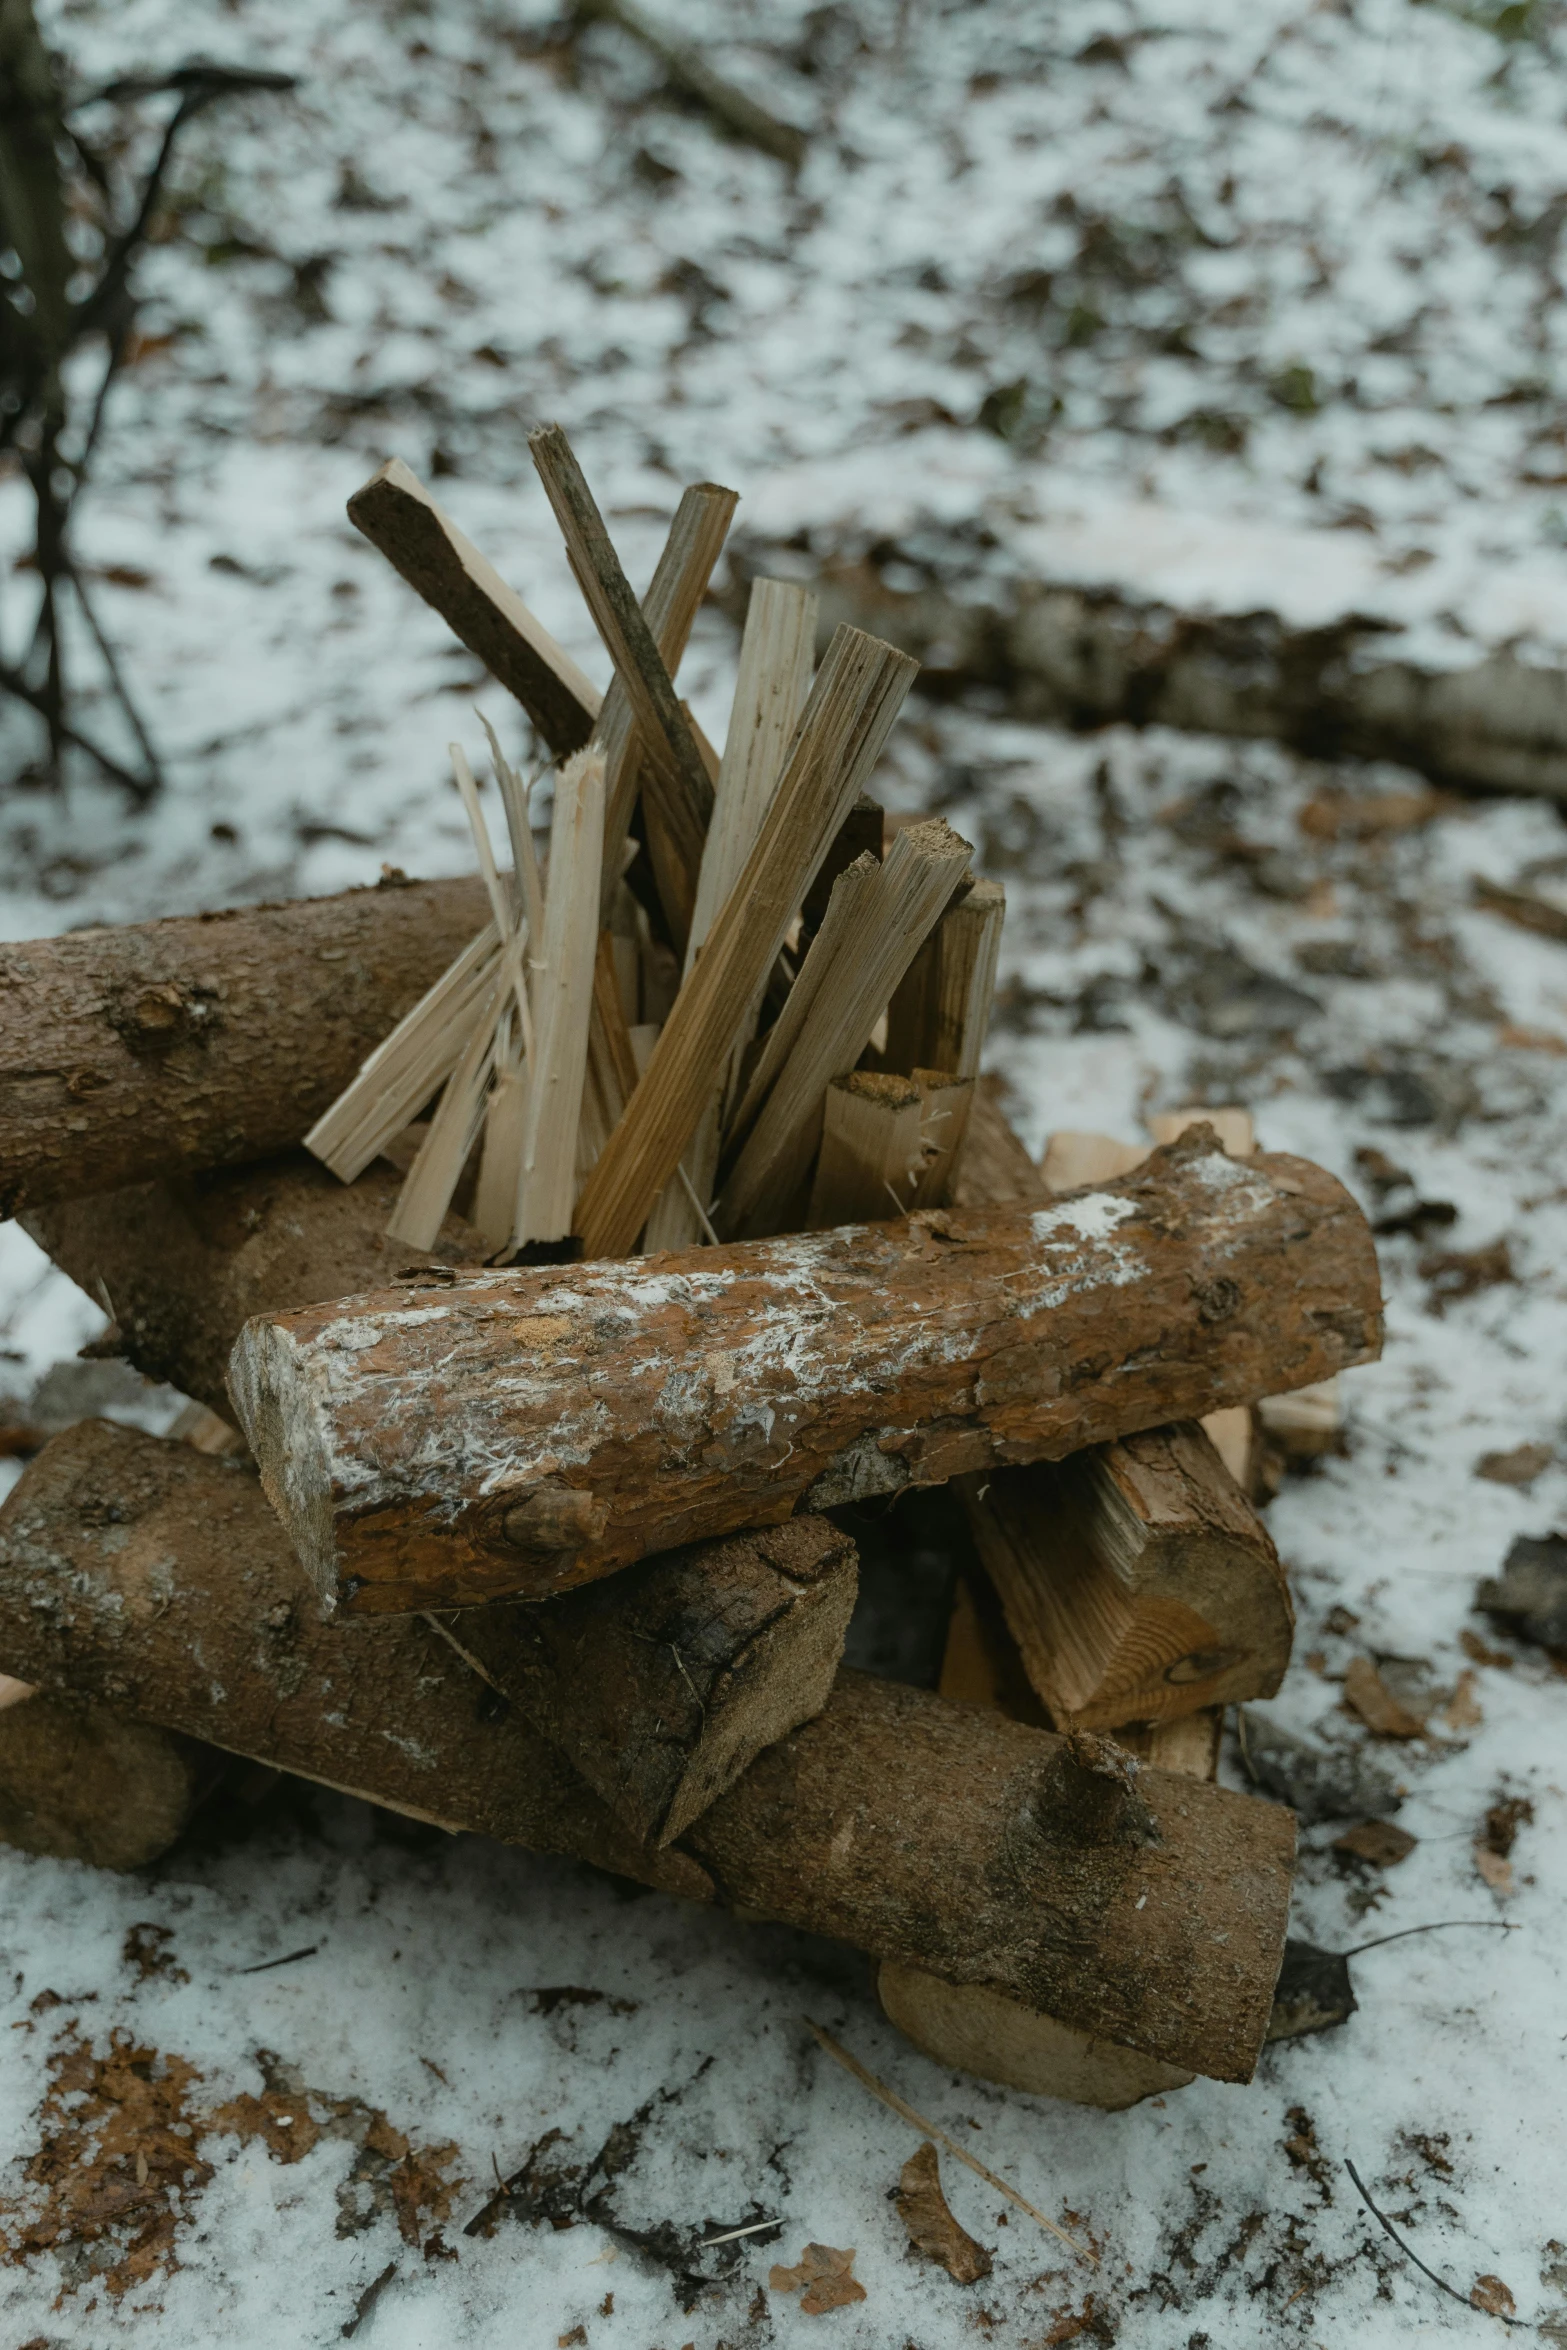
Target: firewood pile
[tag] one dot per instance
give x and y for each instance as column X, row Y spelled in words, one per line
column 582, row 1250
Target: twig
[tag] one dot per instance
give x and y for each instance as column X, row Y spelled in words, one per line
column 890, row 2097
column 1437, row 1926
column 1388, row 2228
column 266, row 1965
column 368, row 2299
column 695, row 76
column 755, row 2229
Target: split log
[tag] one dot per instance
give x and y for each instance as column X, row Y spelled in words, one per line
column 143, row 1576
column 1137, row 1580
column 398, row 515
column 207, row 1039
column 78, row 1783
column 409, row 1438
column 182, row 1266
column 664, row 1685
column 758, row 1621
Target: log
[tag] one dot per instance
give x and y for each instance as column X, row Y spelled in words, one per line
column 397, row 514
column 404, row 1436
column 1138, row 1581
column 759, row 1636
column 207, row 1039
column 143, row 1576
column 664, row 1685
column 78, row 1783
column 182, row 1266
column 978, row 2030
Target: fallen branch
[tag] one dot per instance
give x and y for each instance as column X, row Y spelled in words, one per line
column 691, row 73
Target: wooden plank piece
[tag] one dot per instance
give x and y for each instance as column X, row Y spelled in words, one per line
column 687, row 1396
column 563, row 994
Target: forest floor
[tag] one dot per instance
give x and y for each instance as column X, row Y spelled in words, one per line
column 1259, row 268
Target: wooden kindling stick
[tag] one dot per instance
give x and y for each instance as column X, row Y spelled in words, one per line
column 856, row 695
column 776, row 655
column 677, row 781
column 902, row 901
column 397, row 514
column 563, row 991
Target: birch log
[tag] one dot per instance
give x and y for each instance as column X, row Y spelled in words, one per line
column 142, row 1576
column 410, row 1439
column 207, row 1039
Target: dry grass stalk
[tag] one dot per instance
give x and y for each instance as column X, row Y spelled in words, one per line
column 909, row 890
column 857, row 694
column 675, row 777
column 398, row 515
column 898, row 2105
column 774, row 679
column 563, row 990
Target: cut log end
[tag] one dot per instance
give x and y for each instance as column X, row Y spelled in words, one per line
column 77, row 1783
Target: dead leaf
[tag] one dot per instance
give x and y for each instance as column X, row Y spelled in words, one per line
column 282, row 2122
column 1531, row 1040
column 933, row 2232
column 1497, row 1872
column 1340, row 815
column 1506, row 1816
column 1460, row 1272
column 1482, row 1654
column 1462, row 1710
column 1491, row 2295
column 150, row 1950
column 417, row 2186
column 827, row 2277
column 1381, row 1842
column 1521, row 1466
column 1368, row 1695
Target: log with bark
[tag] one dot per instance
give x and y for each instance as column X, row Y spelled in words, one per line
column 1131, row 1904
column 79, row 1783
column 661, row 1686
column 1138, row 1581
column 522, row 1431
column 202, row 1041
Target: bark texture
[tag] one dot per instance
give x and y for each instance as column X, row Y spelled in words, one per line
column 1138, row 1581
column 183, row 1265
column 1132, row 1905
column 519, row 1432
column 128, row 1054
column 664, row 1685
column 78, row 1783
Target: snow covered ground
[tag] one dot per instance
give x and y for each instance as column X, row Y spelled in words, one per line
column 1258, row 266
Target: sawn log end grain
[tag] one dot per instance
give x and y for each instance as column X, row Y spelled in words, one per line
column 403, row 1436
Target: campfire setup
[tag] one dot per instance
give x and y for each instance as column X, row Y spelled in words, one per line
column 581, row 1253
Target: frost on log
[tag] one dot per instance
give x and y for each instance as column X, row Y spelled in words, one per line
column 146, row 1052
column 519, row 1432
column 1141, row 1907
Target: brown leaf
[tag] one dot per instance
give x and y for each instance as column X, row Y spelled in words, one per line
column 1491, row 2295
column 1333, row 815
column 1460, row 1272
column 933, row 2232
column 826, row 2275
column 417, row 2186
column 1381, row 1842
column 280, row 2119
column 1462, row 1710
column 1506, row 1816
column 1483, row 1654
column 1368, row 1695
column 1521, row 1466
column 1497, row 1872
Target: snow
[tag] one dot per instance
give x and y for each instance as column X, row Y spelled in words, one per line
column 1257, row 304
